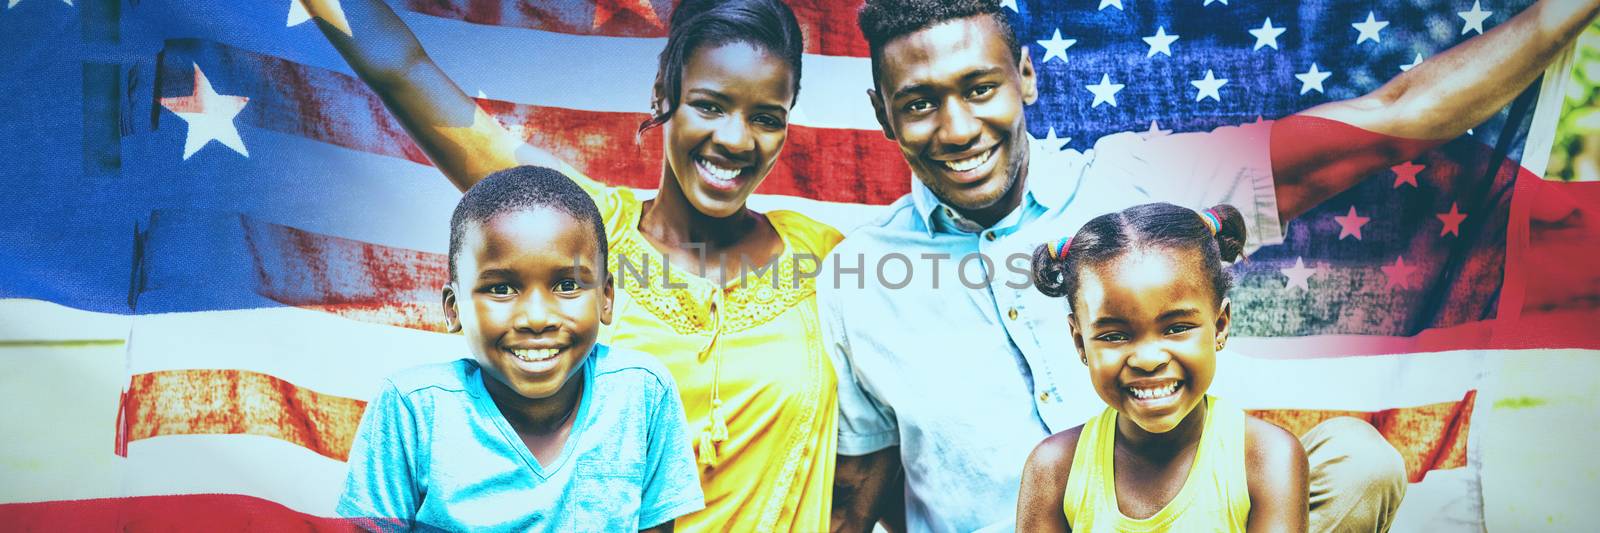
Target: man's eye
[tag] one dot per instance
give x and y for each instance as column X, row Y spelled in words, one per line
column 768, row 121
column 919, row 106
column 982, row 90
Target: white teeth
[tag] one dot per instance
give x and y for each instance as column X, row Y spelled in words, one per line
column 963, row 165
column 716, row 172
column 532, row 356
column 1150, row 394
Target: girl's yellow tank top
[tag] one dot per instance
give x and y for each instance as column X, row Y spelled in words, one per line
column 1215, row 496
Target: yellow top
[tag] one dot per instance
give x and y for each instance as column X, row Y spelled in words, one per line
column 1214, row 497
column 757, row 387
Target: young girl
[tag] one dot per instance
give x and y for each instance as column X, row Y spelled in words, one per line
column 1147, row 295
column 758, row 389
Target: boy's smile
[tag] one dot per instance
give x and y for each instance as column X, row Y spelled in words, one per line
column 530, row 298
column 1148, row 325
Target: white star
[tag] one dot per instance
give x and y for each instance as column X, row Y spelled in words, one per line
column 1208, row 87
column 1267, row 35
column 1414, row 63
column 1155, row 131
column 1009, row 3
column 1104, row 92
column 1208, row 2
column 1052, row 143
column 1370, row 29
column 1160, row 43
column 1113, row 3
column 1055, row 46
column 1312, row 79
column 1474, row 18
column 209, row 115
column 1298, row 274
column 10, row 4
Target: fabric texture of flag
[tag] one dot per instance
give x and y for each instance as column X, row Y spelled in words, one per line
column 268, row 242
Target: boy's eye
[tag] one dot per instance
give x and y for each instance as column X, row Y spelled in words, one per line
column 568, row 285
column 500, row 289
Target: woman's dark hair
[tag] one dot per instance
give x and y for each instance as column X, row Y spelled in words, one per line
column 1150, row 226
column 765, row 24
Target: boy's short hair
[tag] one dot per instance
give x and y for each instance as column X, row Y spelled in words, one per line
column 522, row 188
column 882, row 21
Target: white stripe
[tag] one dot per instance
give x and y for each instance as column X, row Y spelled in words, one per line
column 600, row 73
column 1445, row 500
column 37, row 320
column 235, row 464
column 1368, row 383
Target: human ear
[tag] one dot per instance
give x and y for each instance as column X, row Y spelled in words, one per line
column 606, row 295
column 878, row 110
column 1030, row 82
column 1224, row 321
column 452, row 316
column 1077, row 338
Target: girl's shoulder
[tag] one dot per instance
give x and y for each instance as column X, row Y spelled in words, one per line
column 806, row 234
column 1052, row 457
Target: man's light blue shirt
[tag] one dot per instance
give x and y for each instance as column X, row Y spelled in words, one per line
column 966, row 377
column 434, row 452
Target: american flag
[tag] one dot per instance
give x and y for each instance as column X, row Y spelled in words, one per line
column 218, row 240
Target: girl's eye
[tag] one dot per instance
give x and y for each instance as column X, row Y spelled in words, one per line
column 1112, row 337
column 568, row 285
column 500, row 289
column 1180, row 328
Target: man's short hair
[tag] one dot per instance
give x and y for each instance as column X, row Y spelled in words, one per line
column 882, row 21
column 523, row 188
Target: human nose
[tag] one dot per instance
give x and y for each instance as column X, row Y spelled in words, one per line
column 958, row 126
column 1149, row 357
column 535, row 312
column 734, row 137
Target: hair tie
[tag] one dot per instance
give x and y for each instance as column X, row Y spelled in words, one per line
column 1059, row 251
column 1211, row 220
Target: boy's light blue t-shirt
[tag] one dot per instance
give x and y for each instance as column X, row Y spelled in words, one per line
column 433, row 451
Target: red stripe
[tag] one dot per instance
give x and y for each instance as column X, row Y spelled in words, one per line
column 829, row 164
column 1428, row 437
column 187, row 512
column 829, row 26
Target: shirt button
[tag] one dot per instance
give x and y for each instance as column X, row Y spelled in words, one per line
column 1044, row 396
column 1011, row 313
column 989, row 235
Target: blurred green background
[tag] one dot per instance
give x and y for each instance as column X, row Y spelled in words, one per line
column 1576, row 155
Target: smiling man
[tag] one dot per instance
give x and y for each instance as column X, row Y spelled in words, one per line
column 968, row 380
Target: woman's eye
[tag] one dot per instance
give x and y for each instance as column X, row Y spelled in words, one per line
column 707, row 107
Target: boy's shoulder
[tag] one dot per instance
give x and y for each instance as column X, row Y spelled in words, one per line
column 613, row 363
column 444, row 375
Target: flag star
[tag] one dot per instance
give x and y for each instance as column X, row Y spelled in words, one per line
column 335, row 15
column 1452, row 221
column 209, row 115
column 1474, row 18
column 1155, row 131
column 1370, row 29
column 1267, row 35
column 1406, row 173
column 1104, row 92
column 1208, row 2
column 1112, row 3
column 1055, row 46
column 1412, row 65
column 606, row 11
column 1009, row 3
column 1160, row 43
column 1399, row 273
column 1052, row 143
column 1298, row 275
column 1312, row 79
column 1209, row 87
column 1350, row 225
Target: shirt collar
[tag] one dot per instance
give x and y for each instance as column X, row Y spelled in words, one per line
column 1047, row 188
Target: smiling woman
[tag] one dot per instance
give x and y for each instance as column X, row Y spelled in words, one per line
column 757, row 387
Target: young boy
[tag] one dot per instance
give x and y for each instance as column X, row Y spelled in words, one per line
column 543, row 428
